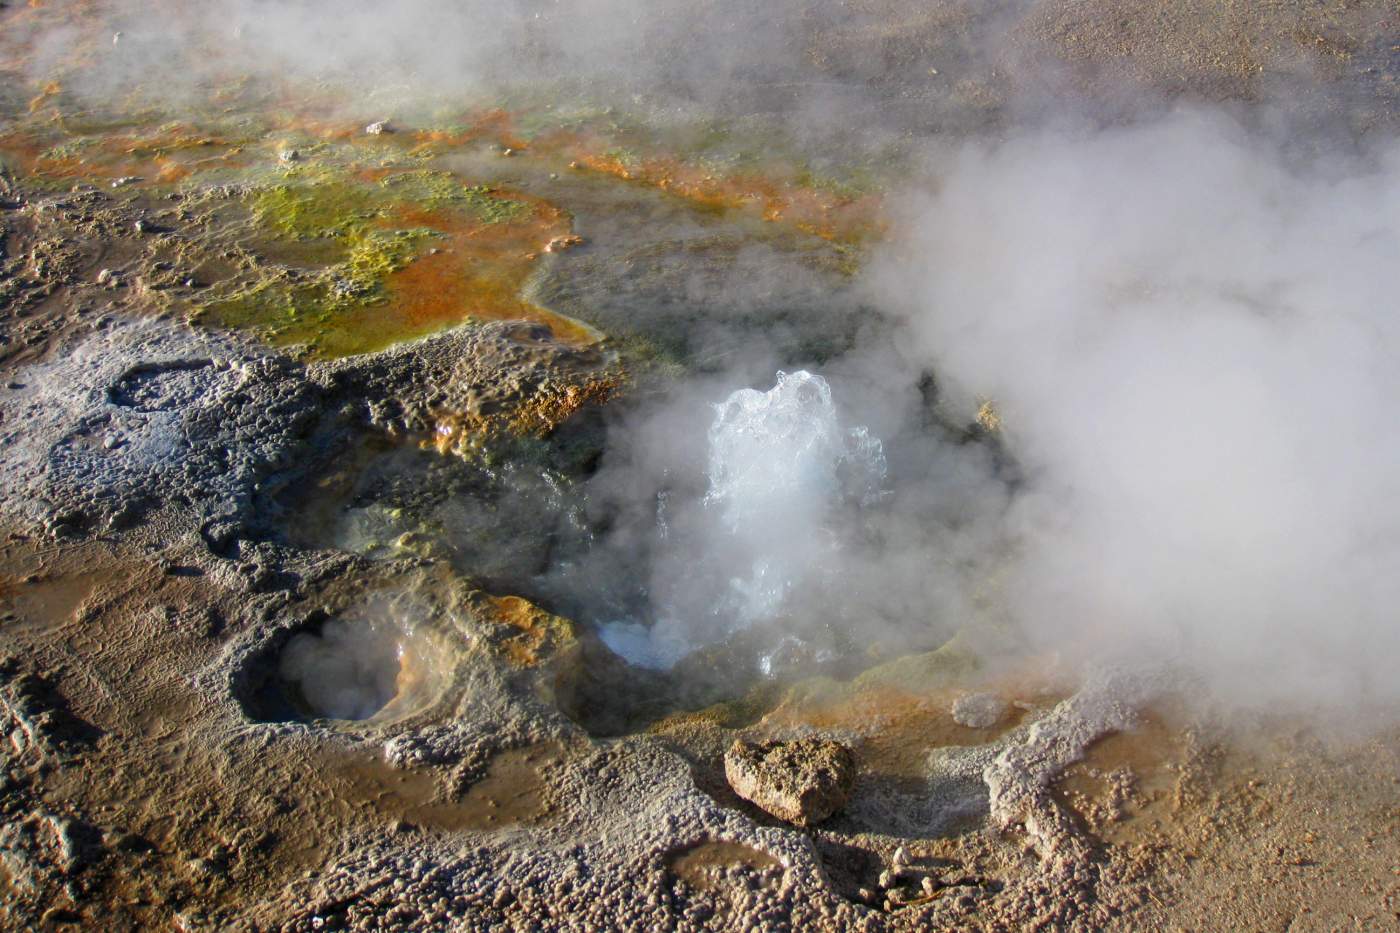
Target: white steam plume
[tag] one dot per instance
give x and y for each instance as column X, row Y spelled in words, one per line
column 1193, row 341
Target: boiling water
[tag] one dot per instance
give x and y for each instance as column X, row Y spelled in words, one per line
column 781, row 467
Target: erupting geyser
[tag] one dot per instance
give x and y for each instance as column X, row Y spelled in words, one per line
column 782, row 456
column 780, row 466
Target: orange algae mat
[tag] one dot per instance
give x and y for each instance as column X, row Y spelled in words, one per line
column 478, row 275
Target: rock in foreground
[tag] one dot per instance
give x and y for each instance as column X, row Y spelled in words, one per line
column 803, row 781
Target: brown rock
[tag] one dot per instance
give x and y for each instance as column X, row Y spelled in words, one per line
column 803, row 781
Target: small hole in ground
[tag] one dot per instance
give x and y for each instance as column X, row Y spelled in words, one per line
column 369, row 664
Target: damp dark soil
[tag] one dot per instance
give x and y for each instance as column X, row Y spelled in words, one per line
column 704, row 865
column 512, row 790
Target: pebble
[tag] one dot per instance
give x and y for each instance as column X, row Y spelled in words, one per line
column 979, row 710
column 204, row 867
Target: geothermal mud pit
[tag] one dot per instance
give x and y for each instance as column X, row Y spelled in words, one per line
column 415, row 485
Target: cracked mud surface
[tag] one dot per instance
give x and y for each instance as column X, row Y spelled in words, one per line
column 183, row 502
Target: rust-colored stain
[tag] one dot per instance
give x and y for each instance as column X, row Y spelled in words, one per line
column 900, row 727
column 537, row 415
column 169, row 156
column 495, row 125
column 528, row 634
column 777, row 197
column 46, row 93
column 478, row 272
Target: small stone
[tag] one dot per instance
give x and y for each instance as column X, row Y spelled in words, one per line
column 901, row 857
column 288, row 155
column 378, row 128
column 979, row 710
column 78, row 843
column 802, row 781
column 560, row 243
column 59, row 915
column 507, row 151
column 106, row 277
column 142, row 226
column 124, row 517
column 928, row 885
column 888, row 879
column 204, row 867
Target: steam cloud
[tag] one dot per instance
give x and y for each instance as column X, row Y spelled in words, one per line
column 409, row 50
column 1188, row 327
column 348, row 670
column 1192, row 336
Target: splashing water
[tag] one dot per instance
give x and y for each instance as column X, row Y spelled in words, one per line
column 781, row 454
column 780, row 466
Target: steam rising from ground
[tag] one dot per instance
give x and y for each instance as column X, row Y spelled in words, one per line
column 346, row 671
column 1193, row 342
column 1188, row 328
column 367, row 662
column 1189, row 332
column 404, row 52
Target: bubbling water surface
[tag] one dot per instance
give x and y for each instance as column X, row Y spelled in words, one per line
column 780, row 466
